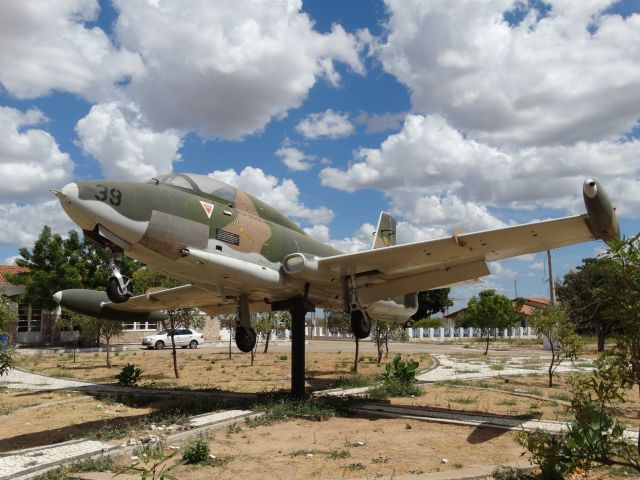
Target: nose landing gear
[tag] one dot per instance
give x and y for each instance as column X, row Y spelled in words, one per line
column 119, row 287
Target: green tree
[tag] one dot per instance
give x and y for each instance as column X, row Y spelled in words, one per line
column 57, row 263
column 554, row 324
column 594, row 437
column 489, row 311
column 625, row 295
column 339, row 323
column 94, row 328
column 583, row 292
column 228, row 321
column 431, row 302
column 181, row 318
column 428, row 323
column 381, row 333
column 268, row 322
column 8, row 316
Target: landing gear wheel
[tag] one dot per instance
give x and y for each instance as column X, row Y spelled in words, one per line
column 360, row 324
column 193, row 344
column 116, row 293
column 245, row 339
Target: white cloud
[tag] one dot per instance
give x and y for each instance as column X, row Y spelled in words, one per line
column 30, row 160
column 118, row 137
column 46, row 45
column 319, row 232
column 283, row 195
column 432, row 172
column 361, row 240
column 10, row 260
column 379, row 122
column 327, row 124
column 537, row 266
column 295, row 159
column 21, row 224
column 549, row 80
column 226, row 68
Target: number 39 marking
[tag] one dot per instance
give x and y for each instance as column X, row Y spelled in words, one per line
column 113, row 195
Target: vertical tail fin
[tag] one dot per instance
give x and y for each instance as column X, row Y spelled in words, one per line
column 385, row 235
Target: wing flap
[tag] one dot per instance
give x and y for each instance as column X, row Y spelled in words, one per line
column 414, row 258
column 423, row 281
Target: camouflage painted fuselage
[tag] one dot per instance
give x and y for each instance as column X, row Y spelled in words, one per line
column 240, row 240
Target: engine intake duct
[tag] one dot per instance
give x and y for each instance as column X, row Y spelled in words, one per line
column 306, row 267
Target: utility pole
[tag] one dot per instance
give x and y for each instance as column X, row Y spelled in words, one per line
column 552, row 286
column 515, row 288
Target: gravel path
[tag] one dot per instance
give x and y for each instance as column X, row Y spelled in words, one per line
column 450, row 368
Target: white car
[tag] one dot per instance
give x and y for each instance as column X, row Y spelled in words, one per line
column 184, row 337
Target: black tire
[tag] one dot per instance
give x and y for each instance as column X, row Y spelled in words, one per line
column 193, row 344
column 245, row 339
column 115, row 293
column 159, row 345
column 360, row 324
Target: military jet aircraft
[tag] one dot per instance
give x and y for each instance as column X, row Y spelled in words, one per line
column 235, row 253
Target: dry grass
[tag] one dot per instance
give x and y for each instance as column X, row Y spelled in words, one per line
column 205, row 369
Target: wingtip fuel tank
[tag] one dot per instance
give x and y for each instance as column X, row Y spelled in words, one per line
column 95, row 304
column 602, row 218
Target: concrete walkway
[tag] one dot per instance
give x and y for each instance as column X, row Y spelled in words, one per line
column 31, row 462
column 19, row 379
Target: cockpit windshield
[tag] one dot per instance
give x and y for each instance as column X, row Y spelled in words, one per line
column 214, row 187
column 200, row 184
column 175, row 179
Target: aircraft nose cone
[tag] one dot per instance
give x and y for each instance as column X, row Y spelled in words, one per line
column 57, row 297
column 70, row 191
column 590, row 188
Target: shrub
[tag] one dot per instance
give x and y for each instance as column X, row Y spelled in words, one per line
column 399, row 380
column 398, row 369
column 6, row 361
column 196, row 450
column 129, row 375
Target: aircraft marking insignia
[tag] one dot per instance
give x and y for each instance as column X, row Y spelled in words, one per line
column 208, row 208
column 244, row 232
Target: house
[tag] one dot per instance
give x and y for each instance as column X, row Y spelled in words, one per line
column 35, row 325
column 531, row 304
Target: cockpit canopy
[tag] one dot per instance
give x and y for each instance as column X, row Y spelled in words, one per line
column 207, row 186
column 199, row 184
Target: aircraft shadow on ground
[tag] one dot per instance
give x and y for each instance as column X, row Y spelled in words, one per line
column 62, row 434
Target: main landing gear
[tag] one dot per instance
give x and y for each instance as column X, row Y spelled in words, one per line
column 245, row 333
column 119, row 287
column 245, row 339
column 360, row 323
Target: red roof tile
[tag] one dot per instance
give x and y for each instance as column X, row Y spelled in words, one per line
column 11, row 270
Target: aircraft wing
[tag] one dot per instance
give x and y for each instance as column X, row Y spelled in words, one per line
column 391, row 271
column 150, row 305
column 162, row 299
column 202, row 297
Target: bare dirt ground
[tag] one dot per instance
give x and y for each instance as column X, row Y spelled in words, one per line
column 353, row 448
column 335, row 448
column 210, row 370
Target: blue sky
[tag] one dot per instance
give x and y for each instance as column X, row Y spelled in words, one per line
column 471, row 114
